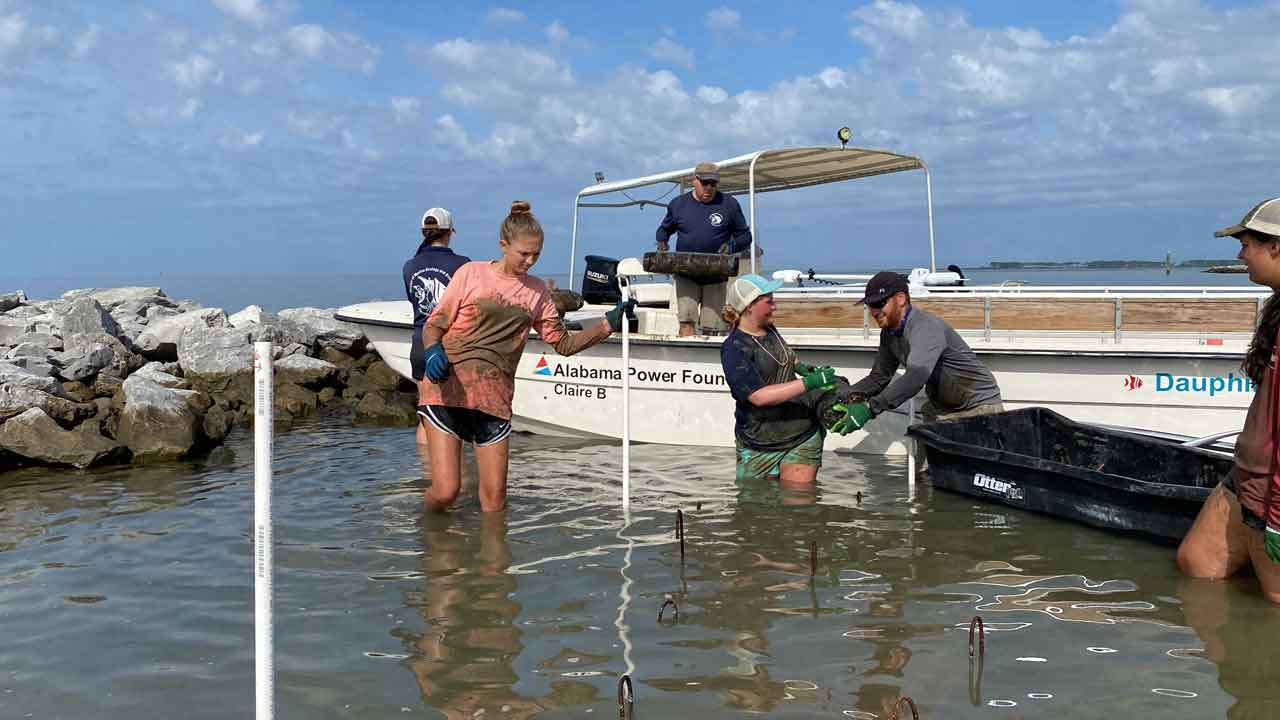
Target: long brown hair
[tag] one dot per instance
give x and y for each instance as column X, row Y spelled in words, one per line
column 1258, row 358
column 520, row 221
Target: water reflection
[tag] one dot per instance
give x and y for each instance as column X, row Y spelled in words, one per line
column 465, row 661
column 1239, row 631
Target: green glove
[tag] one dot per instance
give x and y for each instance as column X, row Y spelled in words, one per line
column 803, row 369
column 1272, row 544
column 855, row 417
column 824, row 378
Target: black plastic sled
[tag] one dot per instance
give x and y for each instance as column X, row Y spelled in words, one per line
column 1035, row 459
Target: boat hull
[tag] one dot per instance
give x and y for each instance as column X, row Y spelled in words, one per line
column 679, row 397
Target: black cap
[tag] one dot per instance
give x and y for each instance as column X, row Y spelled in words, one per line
column 884, row 285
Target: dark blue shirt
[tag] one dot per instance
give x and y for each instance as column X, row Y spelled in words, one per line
column 704, row 227
column 426, row 275
column 750, row 363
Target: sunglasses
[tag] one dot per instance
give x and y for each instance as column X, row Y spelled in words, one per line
column 709, row 183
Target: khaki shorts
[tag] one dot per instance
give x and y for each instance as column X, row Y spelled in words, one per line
column 700, row 304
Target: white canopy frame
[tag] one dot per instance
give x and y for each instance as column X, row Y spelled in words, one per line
column 767, row 170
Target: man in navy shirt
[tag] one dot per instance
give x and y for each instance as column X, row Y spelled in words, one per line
column 708, row 221
column 426, row 275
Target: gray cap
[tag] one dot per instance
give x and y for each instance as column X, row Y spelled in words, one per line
column 1263, row 218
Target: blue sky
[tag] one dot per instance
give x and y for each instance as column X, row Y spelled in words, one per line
column 302, row 136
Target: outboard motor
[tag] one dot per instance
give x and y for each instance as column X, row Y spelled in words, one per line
column 921, row 277
column 956, row 269
column 600, row 281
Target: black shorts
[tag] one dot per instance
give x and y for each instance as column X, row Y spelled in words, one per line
column 418, row 360
column 468, row 425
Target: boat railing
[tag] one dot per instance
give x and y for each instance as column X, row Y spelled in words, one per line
column 1186, row 292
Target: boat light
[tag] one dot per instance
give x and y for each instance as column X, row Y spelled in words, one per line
column 599, row 177
column 845, row 134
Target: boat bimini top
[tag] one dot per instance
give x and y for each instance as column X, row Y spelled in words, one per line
column 767, row 170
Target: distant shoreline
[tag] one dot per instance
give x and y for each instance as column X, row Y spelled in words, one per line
column 1101, row 264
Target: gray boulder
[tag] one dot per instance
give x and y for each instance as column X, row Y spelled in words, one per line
column 35, row 436
column 303, row 370
column 162, row 375
column 393, row 408
column 47, row 323
column 23, row 311
column 293, row 401
column 11, row 300
column 44, row 340
column 218, row 361
column 160, row 340
column 111, row 298
column 35, row 365
column 17, row 399
column 156, row 313
column 17, row 376
column 28, row 349
column 87, row 317
column 329, row 333
column 264, row 326
column 84, row 361
column 122, row 362
column 12, row 330
column 157, row 423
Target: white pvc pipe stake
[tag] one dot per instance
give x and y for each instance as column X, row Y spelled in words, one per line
column 911, row 447
column 263, row 562
column 625, row 285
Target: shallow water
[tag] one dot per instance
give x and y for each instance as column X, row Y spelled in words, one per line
column 128, row 593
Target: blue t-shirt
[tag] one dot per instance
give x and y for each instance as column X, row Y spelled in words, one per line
column 704, row 227
column 750, row 363
column 426, row 275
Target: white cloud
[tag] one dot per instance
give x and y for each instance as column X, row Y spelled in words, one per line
column 240, row 140
column 346, row 50
column 1233, row 101
column 502, row 15
column 310, row 40
column 195, row 72
column 724, row 20
column 250, row 11
column 85, row 42
column 250, row 85
column 406, row 109
column 901, row 19
column 314, row 125
column 669, row 51
column 712, row 94
column 12, row 30
column 492, row 76
column 189, row 108
column 557, row 32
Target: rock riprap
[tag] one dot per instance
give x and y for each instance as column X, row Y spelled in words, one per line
column 104, row 375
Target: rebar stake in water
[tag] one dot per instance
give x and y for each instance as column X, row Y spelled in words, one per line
column 976, row 622
column 627, row 699
column 813, row 558
column 910, row 703
column 680, row 532
column 675, row 610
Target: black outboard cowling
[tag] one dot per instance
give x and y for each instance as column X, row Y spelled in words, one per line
column 600, row 281
column 956, row 269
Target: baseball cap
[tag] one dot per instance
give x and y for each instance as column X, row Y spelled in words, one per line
column 443, row 219
column 884, row 285
column 1263, row 218
column 707, row 171
column 744, row 290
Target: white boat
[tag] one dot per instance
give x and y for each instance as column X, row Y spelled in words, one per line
column 1161, row 359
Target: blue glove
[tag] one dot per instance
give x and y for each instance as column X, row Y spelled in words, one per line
column 614, row 316
column 437, row 363
column 1272, row 543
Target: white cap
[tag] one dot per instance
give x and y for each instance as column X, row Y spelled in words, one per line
column 443, row 219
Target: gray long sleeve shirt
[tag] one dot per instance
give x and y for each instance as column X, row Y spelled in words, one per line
column 936, row 358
